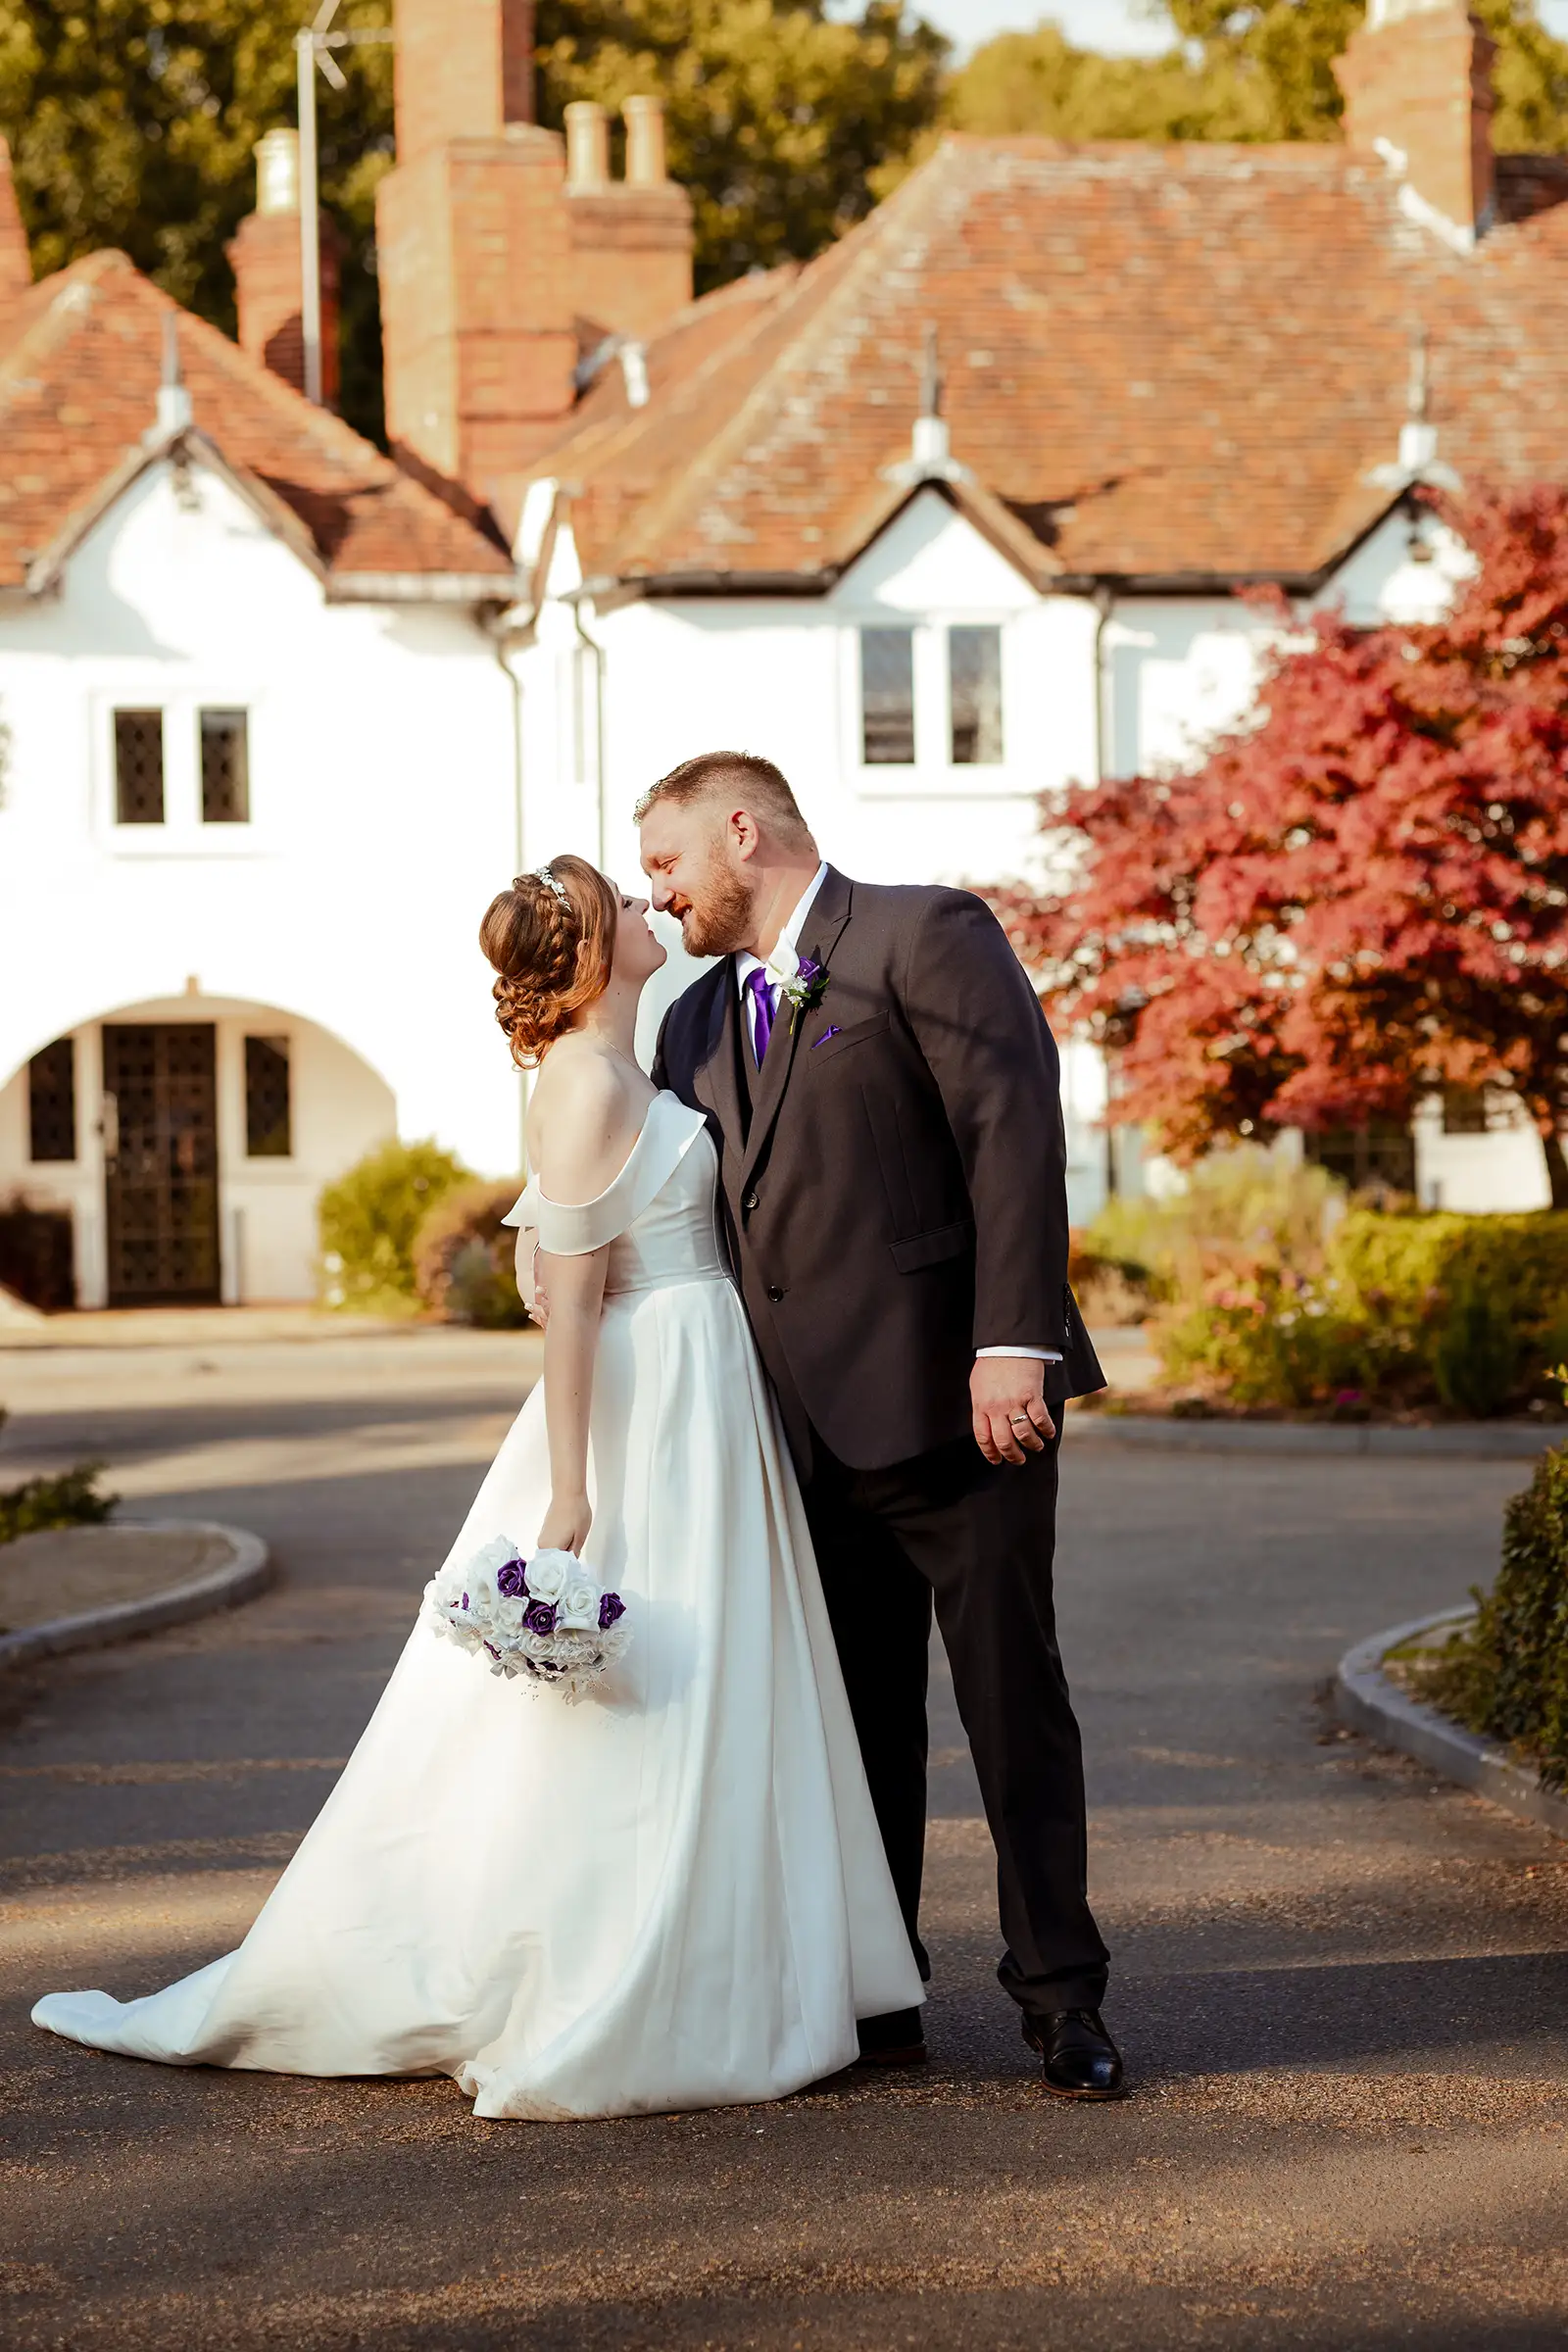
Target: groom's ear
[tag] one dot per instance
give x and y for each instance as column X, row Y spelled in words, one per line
column 744, row 832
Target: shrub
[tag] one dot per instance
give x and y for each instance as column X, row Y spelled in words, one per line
column 463, row 1258
column 1239, row 1207
column 368, row 1220
column 1508, row 1675
column 70, row 1501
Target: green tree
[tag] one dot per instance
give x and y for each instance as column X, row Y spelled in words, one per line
column 1264, row 70
column 132, row 124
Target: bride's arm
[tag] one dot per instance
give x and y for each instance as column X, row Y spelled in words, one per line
column 576, row 1288
column 587, row 1127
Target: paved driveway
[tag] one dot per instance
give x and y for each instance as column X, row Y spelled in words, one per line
column 1340, row 1984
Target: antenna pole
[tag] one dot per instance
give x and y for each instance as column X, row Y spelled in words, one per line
column 310, row 216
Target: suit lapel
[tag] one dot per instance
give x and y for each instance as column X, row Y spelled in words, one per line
column 714, row 1080
column 830, row 911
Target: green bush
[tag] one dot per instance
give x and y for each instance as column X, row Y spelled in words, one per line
column 368, row 1220
column 1508, row 1675
column 70, row 1501
column 465, row 1258
column 1403, row 1310
column 1240, row 1207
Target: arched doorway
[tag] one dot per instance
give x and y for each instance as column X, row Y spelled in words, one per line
column 187, row 1142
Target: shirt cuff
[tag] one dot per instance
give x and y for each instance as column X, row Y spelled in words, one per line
column 1044, row 1355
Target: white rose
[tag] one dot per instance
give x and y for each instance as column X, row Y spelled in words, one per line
column 549, row 1573
column 507, row 1616
column 579, row 1606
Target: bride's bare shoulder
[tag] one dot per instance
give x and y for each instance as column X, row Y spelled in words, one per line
column 586, row 1113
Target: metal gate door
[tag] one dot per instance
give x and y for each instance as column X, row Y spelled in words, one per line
column 161, row 1164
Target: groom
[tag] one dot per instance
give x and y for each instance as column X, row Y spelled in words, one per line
column 884, row 1092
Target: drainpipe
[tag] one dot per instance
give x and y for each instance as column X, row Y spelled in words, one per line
column 501, row 638
column 592, row 646
column 1105, row 601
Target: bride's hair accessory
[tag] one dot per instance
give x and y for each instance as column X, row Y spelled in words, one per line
column 551, row 938
column 543, row 1618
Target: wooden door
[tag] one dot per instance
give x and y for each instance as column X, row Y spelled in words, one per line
column 161, row 1164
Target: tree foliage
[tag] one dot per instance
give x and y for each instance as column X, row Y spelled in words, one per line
column 133, row 122
column 1264, row 70
column 1361, row 898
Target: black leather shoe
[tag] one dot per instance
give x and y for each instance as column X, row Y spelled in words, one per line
column 1078, row 2058
column 895, row 2040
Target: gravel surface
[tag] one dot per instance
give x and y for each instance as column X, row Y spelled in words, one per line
column 1340, row 1983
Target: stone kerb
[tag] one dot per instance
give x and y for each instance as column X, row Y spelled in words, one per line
column 1369, row 1701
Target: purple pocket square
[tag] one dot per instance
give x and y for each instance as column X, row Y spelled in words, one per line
column 822, row 1040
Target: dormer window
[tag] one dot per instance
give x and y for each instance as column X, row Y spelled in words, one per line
column 974, row 695
column 887, row 696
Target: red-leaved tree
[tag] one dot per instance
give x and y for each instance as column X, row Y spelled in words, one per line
column 1360, row 897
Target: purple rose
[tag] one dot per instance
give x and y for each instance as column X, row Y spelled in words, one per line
column 808, row 971
column 511, row 1579
column 540, row 1616
column 610, row 1607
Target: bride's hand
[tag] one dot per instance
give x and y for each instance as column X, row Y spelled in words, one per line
column 567, row 1524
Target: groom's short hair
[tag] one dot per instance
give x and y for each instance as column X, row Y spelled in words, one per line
column 721, row 775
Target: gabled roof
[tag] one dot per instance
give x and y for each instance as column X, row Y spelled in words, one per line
column 80, row 361
column 1168, row 365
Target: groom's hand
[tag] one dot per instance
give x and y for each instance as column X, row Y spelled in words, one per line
column 1007, row 1399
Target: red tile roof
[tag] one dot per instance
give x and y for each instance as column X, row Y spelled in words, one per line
column 80, row 361
column 1172, row 362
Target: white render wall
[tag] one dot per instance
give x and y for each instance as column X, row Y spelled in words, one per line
column 383, row 819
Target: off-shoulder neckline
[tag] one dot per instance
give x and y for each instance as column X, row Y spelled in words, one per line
column 662, row 1095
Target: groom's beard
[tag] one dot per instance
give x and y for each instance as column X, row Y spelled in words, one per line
column 718, row 917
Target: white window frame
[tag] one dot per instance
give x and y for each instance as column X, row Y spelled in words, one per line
column 934, row 772
column 184, row 832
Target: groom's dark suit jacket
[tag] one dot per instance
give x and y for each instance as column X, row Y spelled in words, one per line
column 894, row 1175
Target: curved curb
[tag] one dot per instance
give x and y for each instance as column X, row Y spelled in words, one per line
column 1475, row 1440
column 1366, row 1698
column 249, row 1570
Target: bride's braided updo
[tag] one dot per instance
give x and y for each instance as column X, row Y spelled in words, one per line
column 551, row 938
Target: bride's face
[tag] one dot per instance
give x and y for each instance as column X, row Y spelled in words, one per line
column 638, row 954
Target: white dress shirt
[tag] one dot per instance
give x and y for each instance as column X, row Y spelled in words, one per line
column 746, row 964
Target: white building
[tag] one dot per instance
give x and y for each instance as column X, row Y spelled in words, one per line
column 282, row 715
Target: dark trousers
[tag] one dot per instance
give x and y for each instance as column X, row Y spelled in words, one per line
column 977, row 1541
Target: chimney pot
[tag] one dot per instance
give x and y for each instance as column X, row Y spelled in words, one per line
column 277, row 172
column 645, row 142
column 587, row 145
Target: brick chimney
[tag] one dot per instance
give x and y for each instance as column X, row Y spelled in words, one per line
column 631, row 239
column 498, row 261
column 16, row 265
column 266, row 256
column 473, row 250
column 1417, row 84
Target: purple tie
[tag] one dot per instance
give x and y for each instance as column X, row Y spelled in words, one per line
column 761, row 996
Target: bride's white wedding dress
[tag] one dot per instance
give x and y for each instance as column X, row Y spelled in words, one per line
column 671, row 1895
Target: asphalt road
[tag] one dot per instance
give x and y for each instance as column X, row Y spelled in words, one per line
column 1340, row 1984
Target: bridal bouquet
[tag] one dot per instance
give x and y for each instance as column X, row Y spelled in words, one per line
column 545, row 1617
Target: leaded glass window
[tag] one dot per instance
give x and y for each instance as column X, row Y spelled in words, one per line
column 225, row 768
column 138, row 767
column 52, row 1102
column 974, row 684
column 887, row 696
column 269, row 1123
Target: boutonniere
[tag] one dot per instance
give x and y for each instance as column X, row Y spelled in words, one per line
column 800, row 979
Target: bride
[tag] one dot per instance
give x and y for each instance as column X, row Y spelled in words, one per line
column 672, row 1894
